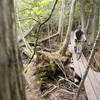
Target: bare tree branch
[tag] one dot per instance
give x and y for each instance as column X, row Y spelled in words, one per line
column 43, row 24
column 27, row 32
column 40, row 25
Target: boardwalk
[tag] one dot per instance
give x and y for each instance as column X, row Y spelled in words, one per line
column 92, row 82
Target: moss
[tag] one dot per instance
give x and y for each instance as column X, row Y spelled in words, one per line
column 43, row 82
column 43, row 74
column 53, row 68
column 27, row 70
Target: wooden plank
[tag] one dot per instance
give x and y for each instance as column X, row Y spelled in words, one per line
column 76, row 64
column 96, row 74
column 88, row 87
column 77, row 70
column 92, row 78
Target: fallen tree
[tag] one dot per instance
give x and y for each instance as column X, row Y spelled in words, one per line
column 43, row 40
column 50, row 37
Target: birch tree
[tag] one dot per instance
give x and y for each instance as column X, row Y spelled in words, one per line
column 95, row 22
column 63, row 49
column 61, row 19
column 82, row 11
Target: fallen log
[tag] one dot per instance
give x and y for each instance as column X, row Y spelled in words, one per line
column 20, row 37
column 43, row 40
column 50, row 37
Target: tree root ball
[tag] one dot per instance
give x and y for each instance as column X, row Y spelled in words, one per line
column 49, row 66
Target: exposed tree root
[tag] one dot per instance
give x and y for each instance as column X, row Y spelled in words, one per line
column 50, row 66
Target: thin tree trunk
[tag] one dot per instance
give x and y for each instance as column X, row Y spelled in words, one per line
column 61, row 20
column 82, row 11
column 97, row 2
column 88, row 23
column 88, row 66
column 11, row 78
column 95, row 23
column 63, row 49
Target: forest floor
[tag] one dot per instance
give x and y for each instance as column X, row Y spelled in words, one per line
column 57, row 94
column 66, row 92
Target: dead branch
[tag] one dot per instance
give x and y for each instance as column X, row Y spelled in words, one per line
column 43, row 24
column 60, row 65
column 27, row 32
column 46, row 93
column 68, row 81
column 88, row 66
column 50, row 37
column 27, row 19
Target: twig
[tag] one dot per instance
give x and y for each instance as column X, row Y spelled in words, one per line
column 28, row 19
column 68, row 81
column 43, row 24
column 46, row 93
column 88, row 66
column 60, row 66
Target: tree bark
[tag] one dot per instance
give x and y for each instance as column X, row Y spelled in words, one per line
column 97, row 2
column 11, row 78
column 95, row 23
column 82, row 11
column 63, row 49
column 61, row 20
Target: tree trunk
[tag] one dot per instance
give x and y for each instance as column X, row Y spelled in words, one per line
column 11, row 79
column 95, row 23
column 61, row 20
column 88, row 23
column 97, row 2
column 82, row 11
column 63, row 49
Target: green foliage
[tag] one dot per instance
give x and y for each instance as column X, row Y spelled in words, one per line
column 53, row 68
